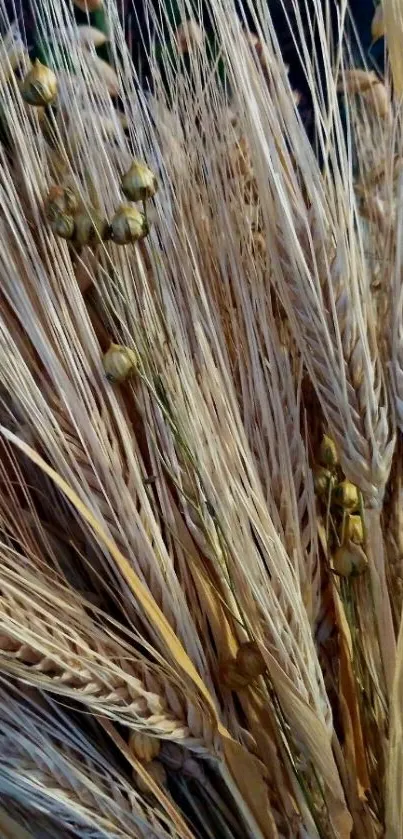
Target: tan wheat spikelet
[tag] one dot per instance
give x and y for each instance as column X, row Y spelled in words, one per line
column 70, row 663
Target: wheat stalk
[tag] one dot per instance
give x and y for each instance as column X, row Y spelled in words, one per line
column 333, row 323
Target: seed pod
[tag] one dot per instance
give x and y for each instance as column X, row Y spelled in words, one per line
column 347, row 496
column 90, row 228
column 61, row 200
column 349, row 560
column 128, row 225
column 157, row 772
column 231, row 677
column 328, row 453
column 139, row 182
column 63, row 226
column 249, row 661
column 143, row 746
column 354, row 530
column 323, row 481
column 39, row 86
column 119, row 363
column 258, row 244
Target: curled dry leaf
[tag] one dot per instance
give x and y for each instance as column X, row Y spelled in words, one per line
column 86, row 36
column 378, row 24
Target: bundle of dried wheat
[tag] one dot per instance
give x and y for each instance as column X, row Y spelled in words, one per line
column 201, row 367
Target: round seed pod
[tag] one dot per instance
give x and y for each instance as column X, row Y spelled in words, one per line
column 143, row 746
column 119, row 363
column 39, row 86
column 323, row 481
column 128, row 225
column 61, row 200
column 349, row 560
column 354, row 529
column 328, row 453
column 158, row 773
column 347, row 496
column 139, row 183
column 231, row 677
column 90, row 228
column 249, row 661
column 63, row 226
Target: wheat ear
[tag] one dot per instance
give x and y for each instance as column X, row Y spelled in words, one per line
column 47, row 770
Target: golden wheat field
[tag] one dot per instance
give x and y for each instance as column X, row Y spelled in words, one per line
column 201, row 417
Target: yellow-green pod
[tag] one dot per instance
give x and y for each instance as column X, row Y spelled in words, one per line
column 39, row 86
column 128, row 225
column 90, row 228
column 347, row 496
column 349, row 560
column 139, row 182
column 328, row 453
column 120, row 362
column 63, row 226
